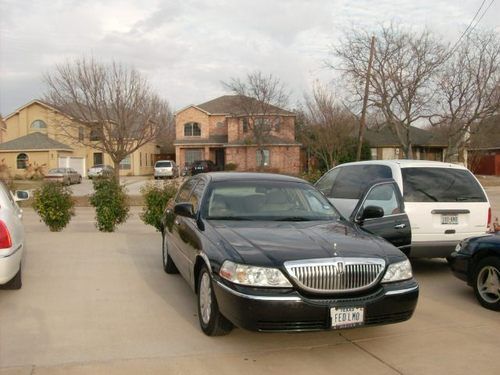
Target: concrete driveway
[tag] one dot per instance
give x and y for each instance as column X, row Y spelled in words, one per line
column 100, row 303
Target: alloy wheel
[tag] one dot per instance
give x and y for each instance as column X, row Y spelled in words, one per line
column 488, row 284
column 205, row 296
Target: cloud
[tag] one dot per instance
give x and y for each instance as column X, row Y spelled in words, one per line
column 186, row 48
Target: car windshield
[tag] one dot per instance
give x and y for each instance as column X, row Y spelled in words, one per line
column 163, row 164
column 266, row 200
column 57, row 170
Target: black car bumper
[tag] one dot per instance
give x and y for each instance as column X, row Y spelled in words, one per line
column 275, row 311
column 459, row 264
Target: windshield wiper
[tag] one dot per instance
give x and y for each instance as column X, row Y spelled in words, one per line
column 235, row 218
column 293, row 218
column 427, row 195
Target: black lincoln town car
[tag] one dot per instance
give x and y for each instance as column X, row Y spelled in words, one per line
column 268, row 252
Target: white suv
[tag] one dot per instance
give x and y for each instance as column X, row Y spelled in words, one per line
column 444, row 202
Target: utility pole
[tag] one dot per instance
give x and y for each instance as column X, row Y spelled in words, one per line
column 362, row 120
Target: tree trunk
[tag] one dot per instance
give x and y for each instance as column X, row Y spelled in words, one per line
column 116, row 165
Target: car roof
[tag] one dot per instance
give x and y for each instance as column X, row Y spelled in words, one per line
column 408, row 163
column 160, row 161
column 249, row 176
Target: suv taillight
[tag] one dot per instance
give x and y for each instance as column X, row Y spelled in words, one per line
column 5, row 240
column 489, row 218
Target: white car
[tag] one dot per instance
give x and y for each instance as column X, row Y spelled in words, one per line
column 444, row 202
column 11, row 238
column 166, row 169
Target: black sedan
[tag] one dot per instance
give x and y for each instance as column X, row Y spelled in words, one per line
column 476, row 260
column 270, row 253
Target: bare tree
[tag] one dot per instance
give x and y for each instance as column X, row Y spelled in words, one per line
column 400, row 86
column 114, row 104
column 468, row 91
column 328, row 127
column 261, row 99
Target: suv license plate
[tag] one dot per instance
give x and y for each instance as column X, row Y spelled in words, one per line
column 449, row 219
column 346, row 317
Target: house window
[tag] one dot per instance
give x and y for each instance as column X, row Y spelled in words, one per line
column 193, row 155
column 140, row 159
column 264, row 124
column 22, row 161
column 277, row 125
column 80, row 134
column 192, row 129
column 263, row 158
column 245, row 125
column 38, row 125
column 125, row 163
column 94, row 135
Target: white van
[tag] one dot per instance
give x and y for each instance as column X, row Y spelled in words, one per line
column 444, row 202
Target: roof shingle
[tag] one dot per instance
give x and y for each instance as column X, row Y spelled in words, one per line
column 232, row 105
column 34, row 141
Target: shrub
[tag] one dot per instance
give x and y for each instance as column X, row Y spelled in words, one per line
column 156, row 198
column 110, row 202
column 54, row 203
column 312, row 176
column 230, row 167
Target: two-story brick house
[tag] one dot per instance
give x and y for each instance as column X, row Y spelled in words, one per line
column 218, row 130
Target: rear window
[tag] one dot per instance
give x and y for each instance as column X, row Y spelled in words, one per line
column 440, row 185
column 163, row 164
column 354, row 179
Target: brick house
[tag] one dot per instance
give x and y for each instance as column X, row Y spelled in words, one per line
column 218, row 130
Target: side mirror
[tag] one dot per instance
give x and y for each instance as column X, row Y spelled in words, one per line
column 372, row 212
column 184, row 209
column 21, row 195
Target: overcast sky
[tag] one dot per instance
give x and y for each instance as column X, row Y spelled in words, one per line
column 186, row 48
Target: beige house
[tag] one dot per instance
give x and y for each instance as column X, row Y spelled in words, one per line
column 33, row 138
column 384, row 144
column 218, row 130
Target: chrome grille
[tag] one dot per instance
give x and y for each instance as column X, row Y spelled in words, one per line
column 336, row 274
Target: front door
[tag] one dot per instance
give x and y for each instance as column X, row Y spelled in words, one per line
column 393, row 224
column 219, row 158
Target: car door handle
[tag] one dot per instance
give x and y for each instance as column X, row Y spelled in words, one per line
column 400, row 226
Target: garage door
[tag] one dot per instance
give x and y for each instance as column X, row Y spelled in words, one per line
column 78, row 164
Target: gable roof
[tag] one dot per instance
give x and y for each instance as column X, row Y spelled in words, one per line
column 386, row 137
column 34, row 141
column 231, row 105
column 35, row 101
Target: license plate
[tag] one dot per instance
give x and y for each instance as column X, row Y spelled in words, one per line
column 449, row 219
column 346, row 317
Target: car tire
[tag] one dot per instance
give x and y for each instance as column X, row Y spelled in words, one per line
column 80, row 179
column 168, row 263
column 15, row 283
column 486, row 283
column 212, row 322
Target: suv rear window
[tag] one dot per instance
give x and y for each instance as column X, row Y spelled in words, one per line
column 163, row 164
column 354, row 179
column 440, row 185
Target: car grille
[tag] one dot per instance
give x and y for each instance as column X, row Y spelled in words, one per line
column 336, row 275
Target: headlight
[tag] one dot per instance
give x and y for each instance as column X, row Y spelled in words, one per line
column 398, row 271
column 253, row 276
column 458, row 247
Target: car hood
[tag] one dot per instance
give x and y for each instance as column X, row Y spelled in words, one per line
column 273, row 243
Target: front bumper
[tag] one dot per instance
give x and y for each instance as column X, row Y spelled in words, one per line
column 459, row 265
column 259, row 310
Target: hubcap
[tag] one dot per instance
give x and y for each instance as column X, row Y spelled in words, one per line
column 205, row 298
column 488, row 284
